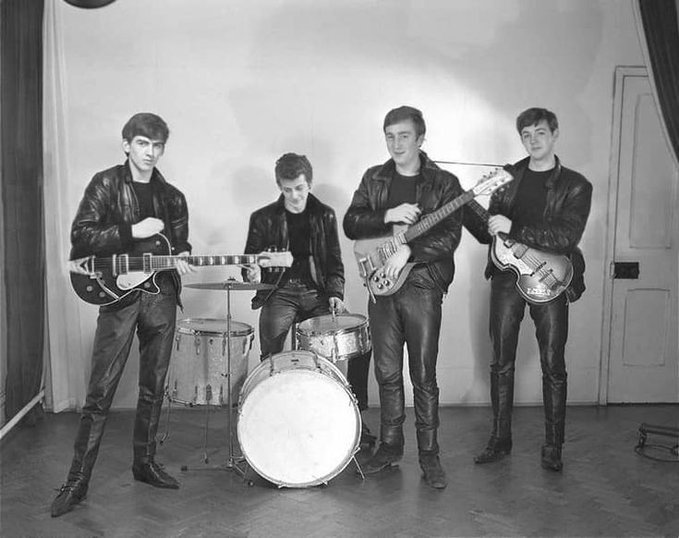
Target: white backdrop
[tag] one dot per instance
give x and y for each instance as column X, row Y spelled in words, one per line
column 242, row 82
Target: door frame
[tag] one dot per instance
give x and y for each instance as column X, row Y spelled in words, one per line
column 621, row 73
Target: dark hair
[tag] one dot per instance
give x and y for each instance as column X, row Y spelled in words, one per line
column 403, row 113
column 533, row 116
column 290, row 166
column 148, row 125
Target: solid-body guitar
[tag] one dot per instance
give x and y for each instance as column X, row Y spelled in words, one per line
column 111, row 278
column 372, row 254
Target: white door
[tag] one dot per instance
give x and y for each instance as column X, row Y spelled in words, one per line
column 641, row 292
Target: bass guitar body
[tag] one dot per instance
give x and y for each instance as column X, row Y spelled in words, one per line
column 110, row 279
column 540, row 276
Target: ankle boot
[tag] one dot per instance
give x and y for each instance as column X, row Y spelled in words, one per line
column 152, row 473
column 384, row 457
column 70, row 494
column 496, row 449
column 550, row 458
column 432, row 472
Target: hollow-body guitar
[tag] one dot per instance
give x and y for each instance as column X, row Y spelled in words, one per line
column 541, row 276
column 109, row 279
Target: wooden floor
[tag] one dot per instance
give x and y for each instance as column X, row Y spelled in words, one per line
column 606, row 489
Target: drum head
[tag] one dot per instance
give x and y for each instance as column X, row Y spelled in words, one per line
column 298, row 427
column 212, row 326
column 329, row 323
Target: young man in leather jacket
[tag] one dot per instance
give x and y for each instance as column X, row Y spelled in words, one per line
column 546, row 208
column 399, row 192
column 122, row 205
column 314, row 284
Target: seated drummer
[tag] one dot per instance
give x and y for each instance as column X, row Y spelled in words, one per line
column 314, row 285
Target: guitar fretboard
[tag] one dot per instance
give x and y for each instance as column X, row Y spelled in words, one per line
column 122, row 264
column 437, row 216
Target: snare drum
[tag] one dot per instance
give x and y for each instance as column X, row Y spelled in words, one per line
column 199, row 367
column 299, row 424
column 339, row 337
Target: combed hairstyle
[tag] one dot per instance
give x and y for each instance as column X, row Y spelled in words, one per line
column 533, row 116
column 146, row 124
column 403, row 113
column 291, row 165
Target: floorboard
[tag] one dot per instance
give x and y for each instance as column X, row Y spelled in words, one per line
column 606, row 489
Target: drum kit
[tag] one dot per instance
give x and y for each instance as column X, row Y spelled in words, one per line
column 298, row 421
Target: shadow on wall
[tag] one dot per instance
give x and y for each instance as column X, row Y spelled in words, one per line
column 526, row 54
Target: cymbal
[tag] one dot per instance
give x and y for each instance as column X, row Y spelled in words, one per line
column 228, row 285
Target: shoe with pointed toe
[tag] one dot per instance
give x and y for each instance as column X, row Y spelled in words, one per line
column 152, row 473
column 384, row 457
column 70, row 494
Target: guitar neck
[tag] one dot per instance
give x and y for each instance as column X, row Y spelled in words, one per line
column 437, row 216
column 150, row 263
column 481, row 211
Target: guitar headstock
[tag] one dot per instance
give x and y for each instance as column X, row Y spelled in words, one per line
column 489, row 183
column 270, row 259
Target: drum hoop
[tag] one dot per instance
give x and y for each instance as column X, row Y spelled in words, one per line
column 336, row 332
column 347, row 457
column 247, row 331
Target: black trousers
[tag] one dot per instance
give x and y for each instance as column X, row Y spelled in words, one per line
column 411, row 317
column 290, row 305
column 153, row 318
column 507, row 308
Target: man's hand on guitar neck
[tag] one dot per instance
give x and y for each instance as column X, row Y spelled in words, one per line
column 183, row 267
column 254, row 273
column 499, row 224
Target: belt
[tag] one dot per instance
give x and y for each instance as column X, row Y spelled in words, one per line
column 297, row 283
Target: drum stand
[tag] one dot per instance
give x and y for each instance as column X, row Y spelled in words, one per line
column 232, row 463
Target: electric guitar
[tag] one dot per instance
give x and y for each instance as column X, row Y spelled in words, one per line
column 540, row 276
column 109, row 279
column 372, row 254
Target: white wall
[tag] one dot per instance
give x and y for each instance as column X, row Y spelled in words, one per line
column 242, row 82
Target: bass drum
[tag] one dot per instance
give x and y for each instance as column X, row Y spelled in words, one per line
column 299, row 424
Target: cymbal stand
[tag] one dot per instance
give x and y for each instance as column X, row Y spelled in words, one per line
column 232, row 463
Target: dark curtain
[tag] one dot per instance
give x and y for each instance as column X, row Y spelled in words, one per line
column 661, row 29
column 22, row 199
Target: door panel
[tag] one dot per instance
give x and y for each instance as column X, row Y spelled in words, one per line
column 643, row 357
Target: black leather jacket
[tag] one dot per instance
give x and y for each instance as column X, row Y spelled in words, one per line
column 109, row 207
column 268, row 229
column 569, row 198
column 433, row 251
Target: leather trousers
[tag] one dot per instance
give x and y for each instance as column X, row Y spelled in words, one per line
column 507, row 308
column 290, row 305
column 411, row 317
column 153, row 317
column 286, row 306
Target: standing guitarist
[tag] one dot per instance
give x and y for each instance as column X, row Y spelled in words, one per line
column 122, row 205
column 397, row 193
column 545, row 208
